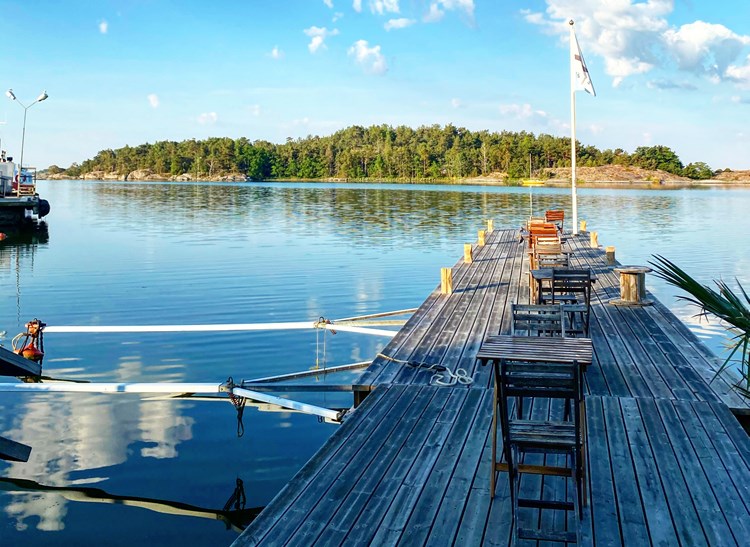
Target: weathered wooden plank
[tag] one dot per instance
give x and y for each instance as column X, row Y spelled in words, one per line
column 601, row 483
column 381, row 489
column 718, row 472
column 655, row 505
column 449, row 336
column 730, row 453
column 710, row 515
column 426, row 508
column 392, row 526
column 372, row 410
column 377, row 451
column 427, row 348
column 729, row 424
column 470, row 466
column 629, row 503
column 309, row 515
column 685, row 519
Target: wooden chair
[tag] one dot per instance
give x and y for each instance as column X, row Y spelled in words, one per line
column 522, row 436
column 546, row 232
column 550, row 258
column 537, row 320
column 556, row 216
column 572, row 288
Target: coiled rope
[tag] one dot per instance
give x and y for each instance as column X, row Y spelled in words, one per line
column 443, row 376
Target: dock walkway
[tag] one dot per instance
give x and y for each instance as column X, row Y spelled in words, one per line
column 668, row 461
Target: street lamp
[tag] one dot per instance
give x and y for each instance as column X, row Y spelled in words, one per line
column 39, row 99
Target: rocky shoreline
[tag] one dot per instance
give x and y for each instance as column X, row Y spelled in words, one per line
column 607, row 177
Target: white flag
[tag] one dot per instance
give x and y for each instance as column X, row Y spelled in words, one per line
column 581, row 76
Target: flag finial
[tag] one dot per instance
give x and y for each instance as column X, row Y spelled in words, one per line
column 571, row 22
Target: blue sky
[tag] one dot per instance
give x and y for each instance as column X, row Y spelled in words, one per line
column 671, row 72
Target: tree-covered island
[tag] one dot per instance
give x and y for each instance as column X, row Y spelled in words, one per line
column 376, row 153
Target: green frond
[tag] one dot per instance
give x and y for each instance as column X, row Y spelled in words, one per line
column 731, row 307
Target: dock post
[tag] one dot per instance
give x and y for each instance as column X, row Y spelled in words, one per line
column 481, row 238
column 583, row 226
column 611, row 256
column 468, row 254
column 490, row 225
column 594, row 240
column 446, row 281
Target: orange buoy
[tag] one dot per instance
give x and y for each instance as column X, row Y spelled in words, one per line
column 31, row 352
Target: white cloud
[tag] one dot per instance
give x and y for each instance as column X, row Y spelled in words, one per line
column 439, row 7
column 384, row 6
column 740, row 73
column 254, row 110
column 103, row 27
column 369, row 58
column 208, row 118
column 328, row 3
column 336, row 16
column 701, row 46
column 434, row 15
column 398, row 23
column 317, row 37
column 634, row 37
column 523, row 112
column 456, row 103
column 465, row 5
column 357, row 6
column 153, row 100
column 276, row 53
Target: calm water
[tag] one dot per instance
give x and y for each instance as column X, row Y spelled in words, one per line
column 120, row 253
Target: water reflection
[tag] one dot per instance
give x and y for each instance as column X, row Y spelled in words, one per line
column 131, row 253
column 234, row 513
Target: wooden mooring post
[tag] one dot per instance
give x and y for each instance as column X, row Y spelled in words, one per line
column 468, row 253
column 490, row 224
column 481, row 238
column 610, row 256
column 446, row 281
column 594, row 240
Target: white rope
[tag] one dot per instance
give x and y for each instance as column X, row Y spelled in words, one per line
column 449, row 378
column 445, row 377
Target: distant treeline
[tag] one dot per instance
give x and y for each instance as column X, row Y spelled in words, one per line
column 379, row 152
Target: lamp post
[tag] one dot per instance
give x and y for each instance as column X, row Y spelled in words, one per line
column 39, row 99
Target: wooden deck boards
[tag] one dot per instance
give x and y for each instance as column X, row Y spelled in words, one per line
column 668, row 463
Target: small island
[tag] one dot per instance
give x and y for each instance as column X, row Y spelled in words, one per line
column 429, row 154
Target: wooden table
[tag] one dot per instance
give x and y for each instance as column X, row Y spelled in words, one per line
column 536, row 349
column 540, row 276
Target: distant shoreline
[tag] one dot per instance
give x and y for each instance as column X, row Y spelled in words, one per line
column 609, row 176
column 469, row 181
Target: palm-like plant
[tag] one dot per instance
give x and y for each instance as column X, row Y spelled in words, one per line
column 730, row 307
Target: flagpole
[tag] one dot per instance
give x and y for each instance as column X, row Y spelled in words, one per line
column 573, row 131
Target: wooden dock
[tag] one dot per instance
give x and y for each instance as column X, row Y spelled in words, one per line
column 668, row 462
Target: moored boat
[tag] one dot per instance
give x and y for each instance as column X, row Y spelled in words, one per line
column 19, row 201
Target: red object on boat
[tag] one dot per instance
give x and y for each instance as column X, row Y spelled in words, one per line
column 2, row 236
column 32, row 353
